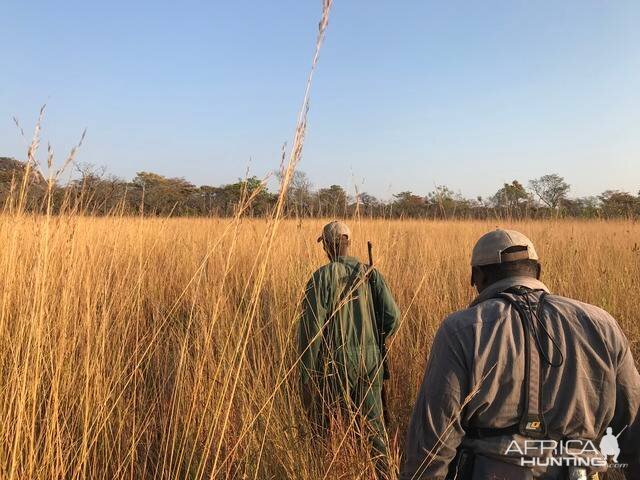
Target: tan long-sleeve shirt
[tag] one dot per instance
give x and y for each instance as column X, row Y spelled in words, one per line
column 482, row 347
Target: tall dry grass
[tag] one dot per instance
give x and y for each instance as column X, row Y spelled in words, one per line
column 145, row 348
column 164, row 348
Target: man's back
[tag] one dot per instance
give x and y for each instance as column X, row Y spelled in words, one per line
column 338, row 324
column 476, row 376
column 578, row 396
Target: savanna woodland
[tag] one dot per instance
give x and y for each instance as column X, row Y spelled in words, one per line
column 96, row 192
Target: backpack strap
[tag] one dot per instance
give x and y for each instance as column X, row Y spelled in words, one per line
column 531, row 423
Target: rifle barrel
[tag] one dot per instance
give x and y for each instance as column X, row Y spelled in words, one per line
column 622, row 431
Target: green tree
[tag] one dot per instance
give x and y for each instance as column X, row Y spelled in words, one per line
column 160, row 195
column 12, row 180
column 615, row 203
column 585, row 207
column 512, row 196
column 444, row 203
column 550, row 189
column 225, row 200
column 331, row 202
column 368, row 205
column 406, row 204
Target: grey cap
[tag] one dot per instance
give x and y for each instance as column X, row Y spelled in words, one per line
column 490, row 247
column 332, row 232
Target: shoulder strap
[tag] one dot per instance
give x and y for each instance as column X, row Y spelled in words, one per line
column 531, row 423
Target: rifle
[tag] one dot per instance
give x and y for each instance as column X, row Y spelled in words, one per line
column 378, row 318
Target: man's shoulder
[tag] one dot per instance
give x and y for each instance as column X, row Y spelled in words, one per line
column 490, row 310
column 373, row 272
column 572, row 308
column 493, row 307
column 323, row 269
column 320, row 273
column 329, row 270
column 595, row 322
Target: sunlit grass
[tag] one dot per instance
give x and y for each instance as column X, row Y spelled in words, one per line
column 164, row 348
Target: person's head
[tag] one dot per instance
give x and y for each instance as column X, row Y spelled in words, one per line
column 335, row 238
column 501, row 254
column 609, row 430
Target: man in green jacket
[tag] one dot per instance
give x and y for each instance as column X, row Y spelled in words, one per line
column 348, row 311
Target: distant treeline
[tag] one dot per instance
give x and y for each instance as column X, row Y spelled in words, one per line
column 92, row 191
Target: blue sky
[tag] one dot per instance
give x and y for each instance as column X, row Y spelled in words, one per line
column 408, row 94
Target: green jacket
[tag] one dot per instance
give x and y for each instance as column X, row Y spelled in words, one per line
column 338, row 335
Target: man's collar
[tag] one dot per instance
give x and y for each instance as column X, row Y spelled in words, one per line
column 345, row 259
column 507, row 283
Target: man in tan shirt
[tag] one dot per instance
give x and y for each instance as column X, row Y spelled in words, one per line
column 523, row 384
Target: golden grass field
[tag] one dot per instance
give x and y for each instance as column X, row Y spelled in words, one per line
column 165, row 348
